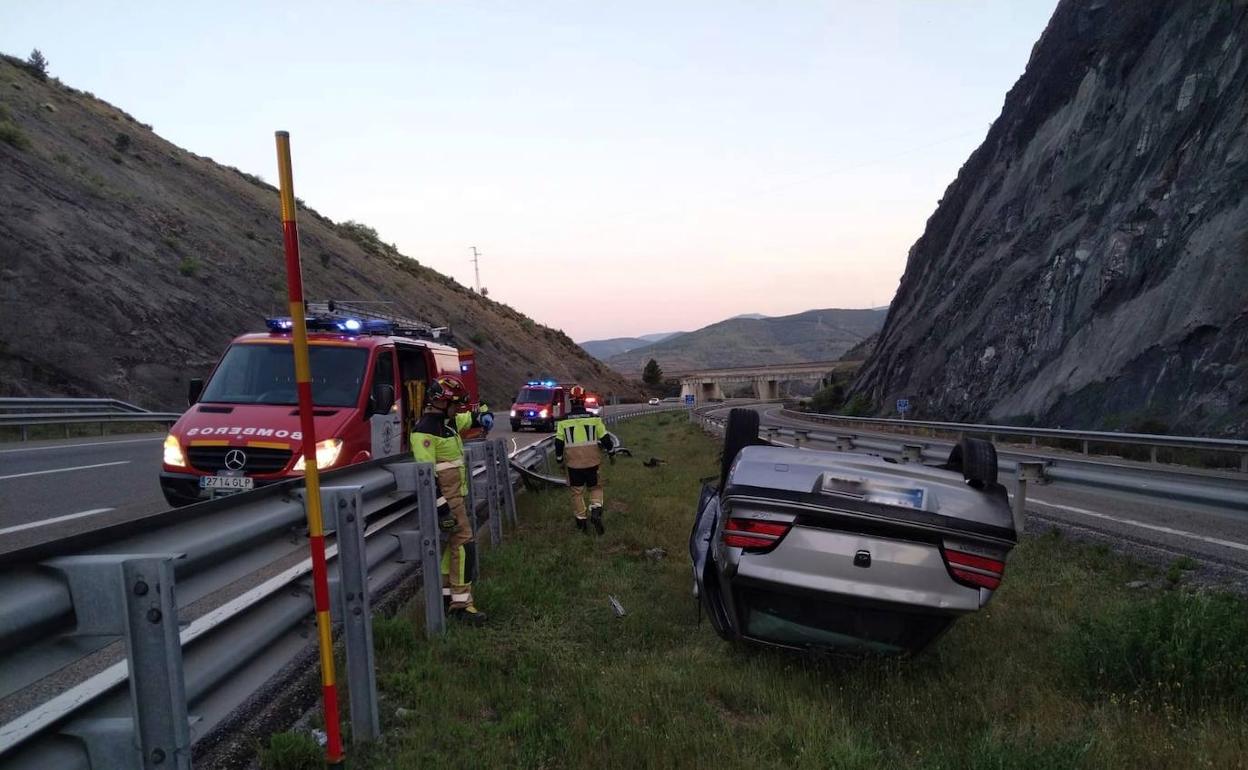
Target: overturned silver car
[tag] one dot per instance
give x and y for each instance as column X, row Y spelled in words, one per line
column 823, row 550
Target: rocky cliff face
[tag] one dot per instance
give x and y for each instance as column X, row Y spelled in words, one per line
column 127, row 264
column 1089, row 265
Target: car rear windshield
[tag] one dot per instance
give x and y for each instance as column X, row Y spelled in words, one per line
column 535, row 396
column 265, row 374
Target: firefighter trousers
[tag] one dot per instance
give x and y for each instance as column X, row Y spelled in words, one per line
column 578, row 480
column 456, row 581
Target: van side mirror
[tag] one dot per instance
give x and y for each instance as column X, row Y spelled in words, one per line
column 381, row 399
column 194, row 387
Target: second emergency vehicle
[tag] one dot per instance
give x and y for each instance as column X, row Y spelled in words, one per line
column 539, row 404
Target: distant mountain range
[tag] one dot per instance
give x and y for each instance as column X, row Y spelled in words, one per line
column 815, row 335
column 604, row 349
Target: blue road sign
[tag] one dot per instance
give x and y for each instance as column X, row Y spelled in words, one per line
column 689, row 399
column 903, row 405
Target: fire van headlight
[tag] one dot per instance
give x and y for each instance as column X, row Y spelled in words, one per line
column 173, row 452
column 543, row 414
column 513, row 412
column 326, row 454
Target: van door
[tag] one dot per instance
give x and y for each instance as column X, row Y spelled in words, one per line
column 386, row 429
column 413, row 378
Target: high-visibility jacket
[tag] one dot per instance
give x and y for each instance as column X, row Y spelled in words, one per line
column 435, row 441
column 579, row 435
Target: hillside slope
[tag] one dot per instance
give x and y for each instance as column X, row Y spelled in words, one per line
column 604, row 349
column 1089, row 265
column 127, row 264
column 815, row 335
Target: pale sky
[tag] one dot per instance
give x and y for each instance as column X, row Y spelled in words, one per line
column 624, row 168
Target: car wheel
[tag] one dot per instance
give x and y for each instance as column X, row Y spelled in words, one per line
column 515, row 427
column 741, row 431
column 977, row 461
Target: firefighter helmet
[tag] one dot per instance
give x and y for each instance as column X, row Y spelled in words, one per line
column 448, row 389
column 576, row 395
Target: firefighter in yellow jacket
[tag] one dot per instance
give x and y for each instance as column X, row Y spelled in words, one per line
column 435, row 439
column 579, row 439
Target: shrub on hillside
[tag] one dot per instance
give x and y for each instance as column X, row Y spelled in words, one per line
column 10, row 134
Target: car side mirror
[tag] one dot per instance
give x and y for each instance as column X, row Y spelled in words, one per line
column 381, row 400
column 194, row 387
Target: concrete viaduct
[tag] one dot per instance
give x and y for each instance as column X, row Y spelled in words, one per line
column 706, row 385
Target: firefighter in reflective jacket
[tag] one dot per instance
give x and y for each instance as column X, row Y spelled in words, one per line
column 436, row 440
column 578, row 438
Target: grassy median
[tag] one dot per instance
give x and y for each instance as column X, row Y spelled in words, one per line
column 1068, row 667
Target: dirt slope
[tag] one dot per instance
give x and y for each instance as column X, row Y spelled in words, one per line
column 127, row 264
column 815, row 335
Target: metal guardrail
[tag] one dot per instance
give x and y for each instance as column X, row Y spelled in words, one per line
column 25, row 404
column 198, row 607
column 25, row 412
column 1161, row 485
column 1087, row 438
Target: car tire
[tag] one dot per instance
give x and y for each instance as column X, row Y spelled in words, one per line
column 740, row 431
column 515, row 427
column 977, row 461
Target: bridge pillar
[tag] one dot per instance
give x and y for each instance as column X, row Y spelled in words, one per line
column 767, row 389
column 687, row 388
column 708, row 390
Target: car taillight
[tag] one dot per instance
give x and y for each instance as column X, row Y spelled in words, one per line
column 754, row 533
column 974, row 570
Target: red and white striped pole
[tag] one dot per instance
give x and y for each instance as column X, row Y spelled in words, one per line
column 303, row 383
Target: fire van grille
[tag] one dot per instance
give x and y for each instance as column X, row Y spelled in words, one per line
column 211, row 459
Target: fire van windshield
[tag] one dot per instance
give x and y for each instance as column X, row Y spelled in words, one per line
column 265, row 374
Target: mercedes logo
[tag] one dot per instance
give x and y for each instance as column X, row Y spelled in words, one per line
column 235, row 459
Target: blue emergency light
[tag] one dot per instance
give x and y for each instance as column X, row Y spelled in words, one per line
column 542, row 383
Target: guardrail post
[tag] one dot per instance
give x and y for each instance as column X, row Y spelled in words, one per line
column 800, row 437
column 844, row 443
column 1027, row 471
column 1152, row 454
column 472, row 457
column 1243, row 463
column 1085, row 446
column 134, row 596
column 772, row 435
column 430, row 549
column 912, row 453
column 508, row 500
column 491, row 495
column 346, row 504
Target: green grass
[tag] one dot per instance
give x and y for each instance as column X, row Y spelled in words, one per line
column 291, row 751
column 556, row 680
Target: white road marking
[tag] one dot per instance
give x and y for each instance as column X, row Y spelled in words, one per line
column 46, row 522
column 1144, row 525
column 75, row 446
column 63, row 470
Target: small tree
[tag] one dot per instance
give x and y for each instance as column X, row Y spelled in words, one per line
column 38, row 64
column 653, row 373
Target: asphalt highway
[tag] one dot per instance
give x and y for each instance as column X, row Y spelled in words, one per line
column 52, row 489
column 1215, row 535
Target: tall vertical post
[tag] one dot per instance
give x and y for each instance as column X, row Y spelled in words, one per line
column 303, row 387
